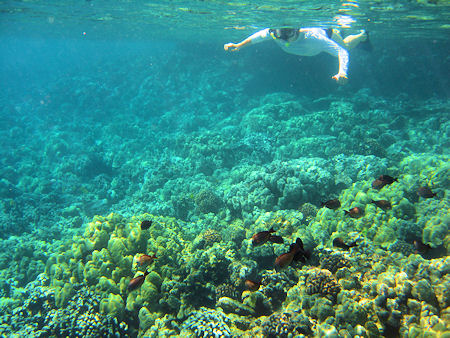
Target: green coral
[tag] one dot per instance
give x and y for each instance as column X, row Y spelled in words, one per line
column 113, row 306
column 63, row 295
column 436, row 226
column 207, row 201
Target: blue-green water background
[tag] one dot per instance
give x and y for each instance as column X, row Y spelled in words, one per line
column 98, row 100
column 134, row 107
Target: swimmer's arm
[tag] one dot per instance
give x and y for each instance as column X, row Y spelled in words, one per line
column 341, row 76
column 255, row 38
column 334, row 49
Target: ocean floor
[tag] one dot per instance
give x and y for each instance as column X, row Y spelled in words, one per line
column 92, row 181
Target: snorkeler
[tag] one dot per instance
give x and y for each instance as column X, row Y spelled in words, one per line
column 308, row 42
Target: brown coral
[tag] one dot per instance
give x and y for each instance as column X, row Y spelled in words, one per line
column 226, row 290
column 321, row 281
column 283, row 325
column 309, row 211
column 210, row 237
column 334, row 262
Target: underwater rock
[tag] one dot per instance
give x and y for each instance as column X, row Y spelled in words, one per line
column 229, row 305
column 326, row 330
column 257, row 301
column 423, row 291
column 322, row 309
column 351, row 312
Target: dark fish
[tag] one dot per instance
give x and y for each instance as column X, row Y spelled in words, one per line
column 264, row 236
column 421, row 247
column 252, row 285
column 339, row 243
column 136, row 282
column 425, row 192
column 387, row 179
column 383, row 204
column 146, row 224
column 276, row 239
column 296, row 252
column 146, row 259
column 331, row 204
column 355, row 212
column 284, row 260
column 383, row 180
column 378, row 184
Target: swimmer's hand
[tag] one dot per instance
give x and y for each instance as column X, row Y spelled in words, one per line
column 341, row 78
column 233, row 47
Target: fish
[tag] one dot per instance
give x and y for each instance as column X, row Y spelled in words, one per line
column 145, row 259
column 355, row 212
column 383, row 204
column 388, row 179
column 284, row 260
column 252, row 285
column 331, row 204
column 276, row 239
column 146, row 224
column 264, row 236
column 421, row 247
column 136, row 282
column 383, row 180
column 425, row 192
column 296, row 253
column 339, row 243
column 378, row 184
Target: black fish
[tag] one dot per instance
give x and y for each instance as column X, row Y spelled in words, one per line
column 339, row 243
column 296, row 253
column 264, row 236
column 426, row 192
column 421, row 247
column 383, row 180
column 331, row 204
column 136, row 282
column 383, row 204
column 301, row 254
column 146, row 224
column 378, row 184
column 276, row 239
column 387, row 179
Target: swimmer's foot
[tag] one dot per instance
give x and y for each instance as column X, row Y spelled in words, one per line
column 365, row 42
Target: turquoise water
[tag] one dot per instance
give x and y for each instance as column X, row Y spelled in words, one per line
column 112, row 114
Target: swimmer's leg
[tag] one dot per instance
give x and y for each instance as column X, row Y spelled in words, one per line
column 350, row 41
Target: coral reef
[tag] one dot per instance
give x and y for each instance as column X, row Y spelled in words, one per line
column 322, row 282
column 286, row 325
column 207, row 323
column 226, row 169
column 41, row 316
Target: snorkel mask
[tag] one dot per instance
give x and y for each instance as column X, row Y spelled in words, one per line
column 285, row 34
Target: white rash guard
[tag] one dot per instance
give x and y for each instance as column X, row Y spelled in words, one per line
column 314, row 42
